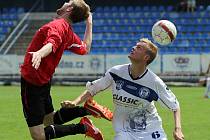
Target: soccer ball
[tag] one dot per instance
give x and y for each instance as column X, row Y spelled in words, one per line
column 164, row 32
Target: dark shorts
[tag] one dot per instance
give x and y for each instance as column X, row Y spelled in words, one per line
column 36, row 101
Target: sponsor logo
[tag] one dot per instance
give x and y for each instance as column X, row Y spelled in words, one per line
column 182, row 61
column 144, row 92
column 119, row 84
column 131, row 87
column 95, row 63
column 125, row 99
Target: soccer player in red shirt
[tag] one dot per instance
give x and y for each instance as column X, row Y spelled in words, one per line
column 41, row 58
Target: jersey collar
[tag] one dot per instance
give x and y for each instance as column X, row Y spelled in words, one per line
column 129, row 71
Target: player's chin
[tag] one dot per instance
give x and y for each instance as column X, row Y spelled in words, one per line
column 130, row 56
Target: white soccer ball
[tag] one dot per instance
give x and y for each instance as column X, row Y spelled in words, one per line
column 164, row 32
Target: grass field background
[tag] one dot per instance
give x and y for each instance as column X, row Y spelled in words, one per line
column 195, row 113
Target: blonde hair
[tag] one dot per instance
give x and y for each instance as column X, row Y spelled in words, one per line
column 152, row 49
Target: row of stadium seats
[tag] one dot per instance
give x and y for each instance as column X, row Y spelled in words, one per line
column 8, row 23
column 8, row 16
column 118, row 35
column 137, row 28
column 13, row 10
column 8, row 20
column 135, row 35
column 116, row 29
column 145, row 22
column 151, row 15
column 142, row 9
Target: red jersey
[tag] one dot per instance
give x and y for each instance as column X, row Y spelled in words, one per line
column 60, row 33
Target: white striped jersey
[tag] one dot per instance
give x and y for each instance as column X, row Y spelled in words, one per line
column 134, row 98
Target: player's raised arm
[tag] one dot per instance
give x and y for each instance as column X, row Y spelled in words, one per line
column 88, row 32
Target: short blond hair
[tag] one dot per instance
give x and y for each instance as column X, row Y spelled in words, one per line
column 152, row 49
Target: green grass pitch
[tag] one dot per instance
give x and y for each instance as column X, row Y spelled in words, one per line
column 195, row 113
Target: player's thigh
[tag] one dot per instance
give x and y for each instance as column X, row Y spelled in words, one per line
column 37, row 132
column 36, row 102
column 49, row 110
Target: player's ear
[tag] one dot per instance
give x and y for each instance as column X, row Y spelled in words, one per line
column 69, row 8
column 147, row 57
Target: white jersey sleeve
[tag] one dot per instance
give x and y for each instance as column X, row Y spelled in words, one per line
column 99, row 84
column 166, row 96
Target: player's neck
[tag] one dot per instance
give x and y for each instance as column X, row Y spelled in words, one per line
column 136, row 70
column 65, row 18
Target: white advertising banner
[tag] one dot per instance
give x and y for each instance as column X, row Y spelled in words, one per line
column 86, row 64
column 205, row 62
column 113, row 60
column 155, row 66
column 20, row 59
column 8, row 64
column 181, row 63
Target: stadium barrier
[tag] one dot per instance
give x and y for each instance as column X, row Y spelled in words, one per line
column 77, row 69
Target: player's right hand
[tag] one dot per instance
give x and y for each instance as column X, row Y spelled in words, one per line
column 178, row 135
column 68, row 104
column 36, row 59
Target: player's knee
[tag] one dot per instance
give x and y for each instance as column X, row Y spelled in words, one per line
column 48, row 119
column 38, row 136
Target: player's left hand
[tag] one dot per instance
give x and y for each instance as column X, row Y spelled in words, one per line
column 90, row 19
column 178, row 135
column 36, row 59
column 68, row 104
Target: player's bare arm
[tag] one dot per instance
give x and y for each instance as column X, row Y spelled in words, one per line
column 80, row 99
column 38, row 55
column 88, row 32
column 178, row 135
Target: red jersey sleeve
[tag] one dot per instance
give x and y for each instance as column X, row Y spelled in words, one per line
column 78, row 46
column 54, row 37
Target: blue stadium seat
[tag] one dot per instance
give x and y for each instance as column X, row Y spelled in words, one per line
column 20, row 10
column 122, row 9
column 200, row 8
column 146, row 8
column 138, row 9
column 206, row 49
column 169, row 8
column 99, row 9
column 130, row 9
column 153, row 8
column 120, row 27
column 114, row 9
column 161, row 8
column 208, row 42
column 107, row 9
